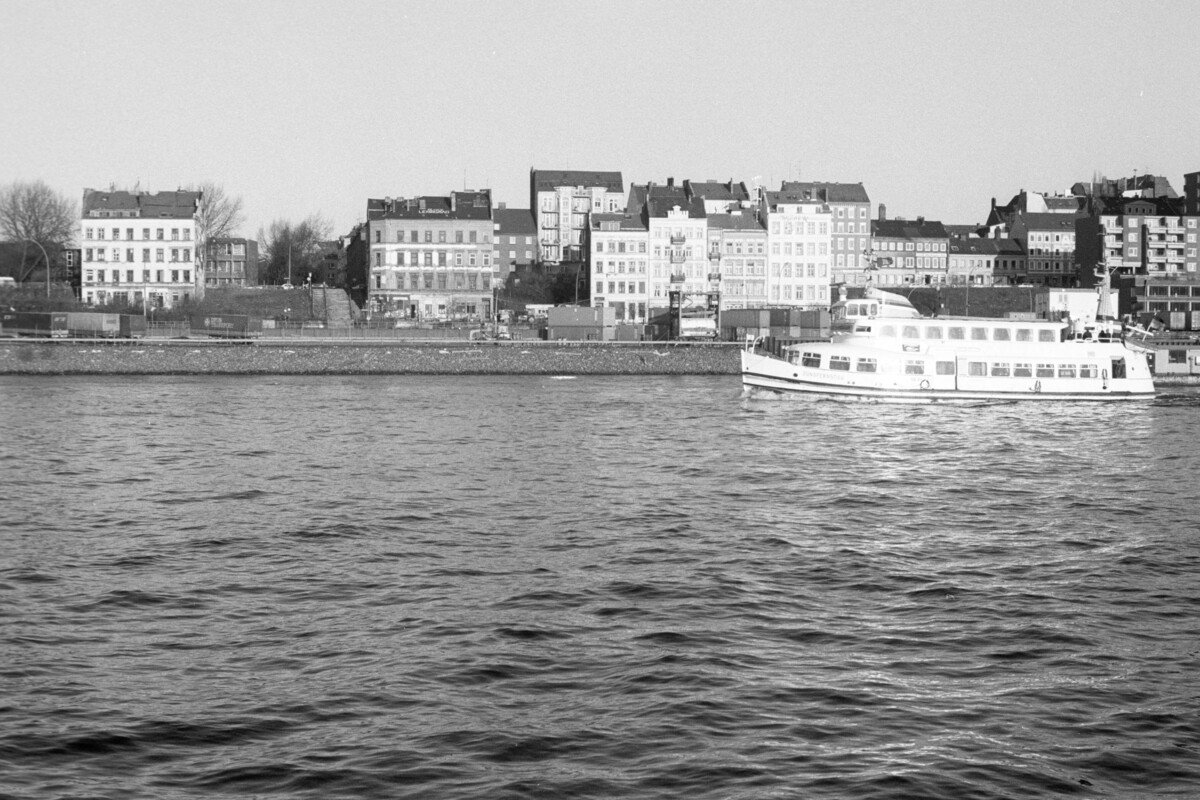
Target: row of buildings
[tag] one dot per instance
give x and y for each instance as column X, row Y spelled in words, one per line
column 633, row 247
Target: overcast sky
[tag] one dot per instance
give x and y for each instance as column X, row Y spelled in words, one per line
column 306, row 107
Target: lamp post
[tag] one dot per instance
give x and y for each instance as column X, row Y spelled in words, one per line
column 39, row 244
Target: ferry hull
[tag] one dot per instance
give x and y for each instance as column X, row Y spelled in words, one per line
column 767, row 373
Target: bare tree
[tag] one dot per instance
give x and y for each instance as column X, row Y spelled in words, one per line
column 33, row 212
column 220, row 213
column 292, row 251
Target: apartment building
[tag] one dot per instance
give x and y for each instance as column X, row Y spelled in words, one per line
column 737, row 251
column 850, row 226
column 1049, row 244
column 230, row 262
column 1152, row 244
column 718, row 197
column 972, row 261
column 799, row 225
column 562, row 200
column 909, row 252
column 620, row 258
column 677, row 231
column 140, row 248
column 430, row 258
column 515, row 240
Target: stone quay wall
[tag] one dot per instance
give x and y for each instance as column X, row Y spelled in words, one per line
column 283, row 357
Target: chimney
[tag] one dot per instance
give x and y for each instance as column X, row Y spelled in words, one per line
column 920, row 220
column 502, row 206
column 453, row 201
column 882, row 212
column 670, row 182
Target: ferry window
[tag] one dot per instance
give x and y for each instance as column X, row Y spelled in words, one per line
column 1045, row 370
column 1088, row 371
column 933, row 332
column 793, row 357
column 1066, row 370
column 1047, row 336
column 945, row 368
column 1118, row 368
column 874, row 309
column 888, row 330
column 865, row 365
column 957, row 333
column 911, row 332
column 914, row 367
column 1024, row 335
column 1001, row 334
column 979, row 333
column 999, row 370
column 1177, row 356
column 839, row 363
column 1022, row 370
column 976, row 368
column 811, row 360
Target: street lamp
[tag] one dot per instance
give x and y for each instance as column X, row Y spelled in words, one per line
column 39, row 244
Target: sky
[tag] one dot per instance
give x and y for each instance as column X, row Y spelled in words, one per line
column 307, row 108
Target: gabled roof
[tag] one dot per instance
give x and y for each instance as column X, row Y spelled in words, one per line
column 1047, row 222
column 662, row 199
column 1007, row 246
column 791, row 196
column 470, row 205
column 829, row 192
column 543, row 180
column 181, row 204
column 1162, row 206
column 909, row 229
column 514, row 222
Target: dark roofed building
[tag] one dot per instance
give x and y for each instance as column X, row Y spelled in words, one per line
column 516, row 239
column 912, row 251
column 179, row 204
column 1049, row 243
column 850, row 237
column 972, row 260
column 718, row 197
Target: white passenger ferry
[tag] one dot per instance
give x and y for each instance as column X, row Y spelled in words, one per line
column 891, row 353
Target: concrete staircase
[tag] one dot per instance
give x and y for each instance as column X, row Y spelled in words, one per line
column 337, row 306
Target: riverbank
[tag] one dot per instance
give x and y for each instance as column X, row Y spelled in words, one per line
column 315, row 357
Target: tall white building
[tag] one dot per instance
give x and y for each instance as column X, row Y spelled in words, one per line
column 619, row 246
column 677, row 228
column 141, row 248
column 798, row 235
column 562, row 201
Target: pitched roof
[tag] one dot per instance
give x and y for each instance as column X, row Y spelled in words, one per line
column 745, row 221
column 514, row 221
column 1051, row 222
column 973, row 246
column 621, row 222
column 792, row 196
column 179, row 204
column 716, row 190
column 662, row 199
column 909, row 229
column 543, row 180
column 830, row 192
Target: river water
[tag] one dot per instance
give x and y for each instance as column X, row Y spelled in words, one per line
column 455, row 587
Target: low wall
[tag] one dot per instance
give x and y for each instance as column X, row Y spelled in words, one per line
column 276, row 357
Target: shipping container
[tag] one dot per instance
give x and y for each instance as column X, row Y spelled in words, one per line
column 89, row 324
column 50, row 324
column 226, row 326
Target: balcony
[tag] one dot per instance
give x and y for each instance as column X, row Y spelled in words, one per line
column 677, row 257
column 678, row 239
column 678, row 277
column 714, row 255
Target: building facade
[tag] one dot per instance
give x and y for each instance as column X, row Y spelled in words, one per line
column 737, row 251
column 430, row 258
column 230, row 262
column 620, row 258
column 677, row 230
column 718, row 197
column 562, row 200
column 1049, row 244
column 850, row 226
column 972, row 261
column 1011, row 266
column 515, row 240
column 141, row 248
column 910, row 252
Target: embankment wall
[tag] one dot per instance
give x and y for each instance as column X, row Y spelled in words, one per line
column 196, row 357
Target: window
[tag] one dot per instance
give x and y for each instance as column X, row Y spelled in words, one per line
column 841, row 363
column 1066, row 370
column 174, row 234
column 1045, row 370
column 129, row 255
column 979, row 334
column 158, row 254
column 811, row 360
column 933, row 332
column 129, row 233
column 945, row 368
column 1022, row 371
column 158, row 233
column 976, row 369
column 1000, row 370
column 956, row 333
column 1088, row 371
column 911, row 332
column 1001, row 334
column 1024, row 335
column 1047, row 336
column 914, row 367
column 471, row 236
column 866, row 365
